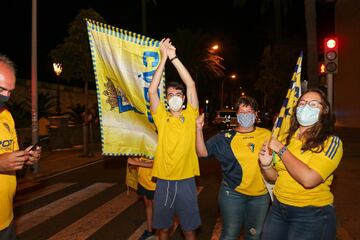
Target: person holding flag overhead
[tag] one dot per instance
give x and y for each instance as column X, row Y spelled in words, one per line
column 176, row 163
column 303, row 169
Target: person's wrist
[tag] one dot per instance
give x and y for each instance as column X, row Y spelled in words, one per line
column 266, row 166
column 173, row 58
column 282, row 151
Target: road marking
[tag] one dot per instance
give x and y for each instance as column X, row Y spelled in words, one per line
column 42, row 214
column 24, row 185
column 42, row 178
column 89, row 224
column 137, row 234
column 40, row 193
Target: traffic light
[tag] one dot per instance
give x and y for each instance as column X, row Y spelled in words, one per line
column 322, row 68
column 331, row 55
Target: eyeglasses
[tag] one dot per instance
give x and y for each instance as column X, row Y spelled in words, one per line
column 312, row 103
column 178, row 94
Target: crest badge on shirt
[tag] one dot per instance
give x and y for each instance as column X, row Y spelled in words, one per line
column 251, row 146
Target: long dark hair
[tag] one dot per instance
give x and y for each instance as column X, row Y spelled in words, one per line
column 320, row 131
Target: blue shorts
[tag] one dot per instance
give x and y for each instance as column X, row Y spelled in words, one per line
column 8, row 233
column 176, row 197
column 141, row 191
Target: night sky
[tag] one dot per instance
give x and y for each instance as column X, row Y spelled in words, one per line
column 247, row 27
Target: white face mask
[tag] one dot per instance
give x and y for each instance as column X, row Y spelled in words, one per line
column 175, row 103
column 307, row 115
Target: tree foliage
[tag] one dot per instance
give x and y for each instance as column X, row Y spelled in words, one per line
column 74, row 53
column 277, row 64
column 205, row 67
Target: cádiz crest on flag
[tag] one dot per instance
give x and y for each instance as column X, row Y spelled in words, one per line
column 124, row 63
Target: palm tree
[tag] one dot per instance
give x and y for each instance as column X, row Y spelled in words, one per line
column 204, row 66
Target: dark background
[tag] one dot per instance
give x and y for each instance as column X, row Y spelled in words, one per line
column 247, row 28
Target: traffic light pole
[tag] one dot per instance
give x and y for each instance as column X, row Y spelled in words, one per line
column 329, row 83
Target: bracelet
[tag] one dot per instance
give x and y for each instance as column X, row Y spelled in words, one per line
column 171, row 59
column 282, row 151
column 266, row 167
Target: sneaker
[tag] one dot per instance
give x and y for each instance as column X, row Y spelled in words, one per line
column 147, row 235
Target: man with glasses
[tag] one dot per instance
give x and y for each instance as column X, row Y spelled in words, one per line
column 176, row 163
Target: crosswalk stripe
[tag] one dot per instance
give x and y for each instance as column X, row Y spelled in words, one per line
column 25, row 185
column 42, row 214
column 136, row 235
column 89, row 224
column 40, row 193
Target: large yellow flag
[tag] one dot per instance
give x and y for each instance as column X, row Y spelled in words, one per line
column 282, row 124
column 124, row 63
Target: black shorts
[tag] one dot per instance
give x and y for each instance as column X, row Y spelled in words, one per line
column 141, row 191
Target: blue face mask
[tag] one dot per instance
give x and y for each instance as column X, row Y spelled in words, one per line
column 307, row 115
column 3, row 100
column 246, row 119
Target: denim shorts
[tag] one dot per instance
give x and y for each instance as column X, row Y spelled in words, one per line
column 176, row 197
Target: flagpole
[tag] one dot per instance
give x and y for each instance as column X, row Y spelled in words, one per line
column 34, row 98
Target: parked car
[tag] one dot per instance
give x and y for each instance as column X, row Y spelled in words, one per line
column 225, row 119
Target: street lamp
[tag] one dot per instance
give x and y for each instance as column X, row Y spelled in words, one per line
column 232, row 76
column 215, row 47
column 57, row 69
column 206, row 107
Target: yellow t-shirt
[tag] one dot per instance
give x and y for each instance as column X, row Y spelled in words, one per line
column 238, row 154
column 175, row 156
column 288, row 191
column 246, row 148
column 145, row 177
column 8, row 143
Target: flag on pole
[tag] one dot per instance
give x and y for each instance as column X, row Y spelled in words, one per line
column 124, row 63
column 282, row 123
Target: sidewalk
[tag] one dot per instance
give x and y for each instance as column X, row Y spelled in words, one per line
column 56, row 161
column 346, row 186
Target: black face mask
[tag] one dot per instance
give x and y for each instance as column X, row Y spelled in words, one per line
column 3, row 100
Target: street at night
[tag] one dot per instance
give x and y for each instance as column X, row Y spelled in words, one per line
column 110, row 113
column 89, row 201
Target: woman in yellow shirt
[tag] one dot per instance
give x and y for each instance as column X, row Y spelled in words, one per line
column 303, row 171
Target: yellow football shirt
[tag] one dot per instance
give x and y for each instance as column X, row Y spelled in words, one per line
column 8, row 143
column 246, row 148
column 288, row 191
column 145, row 177
column 175, row 156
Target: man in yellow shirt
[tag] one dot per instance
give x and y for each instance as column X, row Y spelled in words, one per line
column 176, row 163
column 11, row 158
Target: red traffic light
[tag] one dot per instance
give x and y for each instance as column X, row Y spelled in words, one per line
column 330, row 55
column 331, row 43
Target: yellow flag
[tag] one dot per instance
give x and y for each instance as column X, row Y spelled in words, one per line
column 124, row 63
column 282, row 124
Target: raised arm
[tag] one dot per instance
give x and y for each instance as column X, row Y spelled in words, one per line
column 200, row 143
column 153, row 88
column 185, row 76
